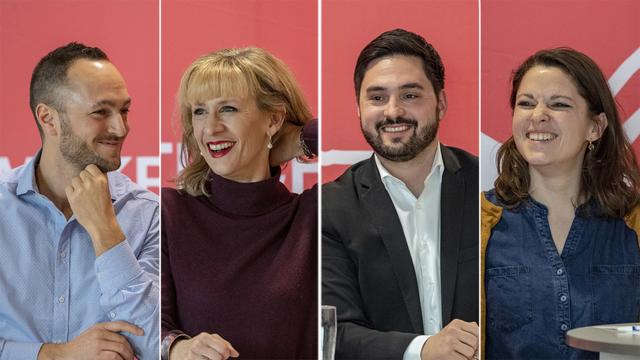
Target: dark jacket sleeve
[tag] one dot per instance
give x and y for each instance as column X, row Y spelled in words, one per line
column 356, row 338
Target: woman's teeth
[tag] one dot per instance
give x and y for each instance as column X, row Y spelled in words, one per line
column 220, row 146
column 541, row 136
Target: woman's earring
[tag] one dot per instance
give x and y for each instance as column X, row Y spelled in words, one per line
column 591, row 146
column 269, row 145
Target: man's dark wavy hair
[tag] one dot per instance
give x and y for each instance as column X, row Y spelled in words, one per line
column 401, row 42
column 51, row 74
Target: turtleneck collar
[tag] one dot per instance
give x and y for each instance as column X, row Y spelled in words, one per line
column 248, row 199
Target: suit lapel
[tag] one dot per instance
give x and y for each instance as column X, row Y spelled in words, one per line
column 451, row 202
column 378, row 203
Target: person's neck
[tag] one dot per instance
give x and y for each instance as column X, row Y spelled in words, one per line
column 263, row 172
column 53, row 175
column 413, row 172
column 556, row 187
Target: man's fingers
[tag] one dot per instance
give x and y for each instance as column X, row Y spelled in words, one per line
column 470, row 327
column 85, row 175
column 113, row 350
column 464, row 349
column 76, row 182
column 468, row 339
column 93, row 170
column 117, row 326
column 110, row 355
column 118, row 343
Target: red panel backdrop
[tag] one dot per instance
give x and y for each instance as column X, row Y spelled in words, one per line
column 286, row 28
column 127, row 31
column 607, row 31
column 347, row 26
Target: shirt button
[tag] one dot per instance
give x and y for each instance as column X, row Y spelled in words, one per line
column 61, row 299
column 563, row 298
column 112, row 315
column 564, row 327
column 63, row 255
column 559, row 272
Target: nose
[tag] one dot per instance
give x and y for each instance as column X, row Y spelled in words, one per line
column 213, row 125
column 540, row 113
column 119, row 125
column 393, row 109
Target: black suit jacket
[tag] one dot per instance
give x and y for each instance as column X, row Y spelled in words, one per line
column 367, row 271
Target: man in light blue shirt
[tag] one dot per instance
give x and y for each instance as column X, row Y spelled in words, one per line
column 78, row 242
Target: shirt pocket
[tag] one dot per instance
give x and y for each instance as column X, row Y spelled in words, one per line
column 616, row 293
column 509, row 304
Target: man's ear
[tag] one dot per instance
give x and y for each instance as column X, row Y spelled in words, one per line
column 48, row 119
column 442, row 104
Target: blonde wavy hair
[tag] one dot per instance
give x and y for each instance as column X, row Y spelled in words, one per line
column 247, row 72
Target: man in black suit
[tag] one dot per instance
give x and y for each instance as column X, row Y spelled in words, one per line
column 400, row 230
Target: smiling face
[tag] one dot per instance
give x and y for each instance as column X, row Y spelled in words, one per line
column 232, row 135
column 398, row 108
column 551, row 120
column 93, row 123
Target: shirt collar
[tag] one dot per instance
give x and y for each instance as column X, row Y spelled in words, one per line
column 27, row 179
column 437, row 165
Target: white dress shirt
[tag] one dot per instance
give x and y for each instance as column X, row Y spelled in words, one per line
column 420, row 220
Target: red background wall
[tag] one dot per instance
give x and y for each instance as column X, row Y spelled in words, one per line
column 286, row 28
column 126, row 30
column 607, row 31
column 347, row 26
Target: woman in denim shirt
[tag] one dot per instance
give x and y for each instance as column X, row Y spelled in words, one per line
column 560, row 230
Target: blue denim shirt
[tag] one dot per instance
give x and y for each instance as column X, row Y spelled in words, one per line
column 52, row 286
column 534, row 295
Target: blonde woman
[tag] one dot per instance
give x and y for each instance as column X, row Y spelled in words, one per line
column 239, row 250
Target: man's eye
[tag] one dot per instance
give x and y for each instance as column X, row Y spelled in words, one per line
column 411, row 96
column 100, row 112
column 228, row 108
column 125, row 111
column 376, row 98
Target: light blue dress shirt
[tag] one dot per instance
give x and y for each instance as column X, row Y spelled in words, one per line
column 52, row 286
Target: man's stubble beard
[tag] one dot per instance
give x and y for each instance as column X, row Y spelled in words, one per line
column 77, row 153
column 419, row 140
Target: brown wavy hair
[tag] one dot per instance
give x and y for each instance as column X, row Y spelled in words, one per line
column 250, row 72
column 610, row 172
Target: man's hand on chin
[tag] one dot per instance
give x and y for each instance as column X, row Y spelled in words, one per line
column 89, row 198
column 457, row 340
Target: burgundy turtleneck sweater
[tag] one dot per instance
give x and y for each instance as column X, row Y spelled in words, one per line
column 242, row 263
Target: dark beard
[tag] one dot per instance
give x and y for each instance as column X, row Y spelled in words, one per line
column 419, row 141
column 77, row 153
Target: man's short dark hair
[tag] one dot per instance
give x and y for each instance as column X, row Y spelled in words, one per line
column 401, row 42
column 51, row 73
